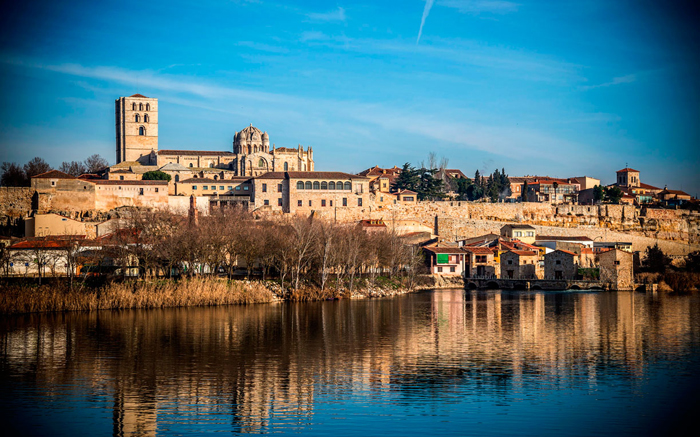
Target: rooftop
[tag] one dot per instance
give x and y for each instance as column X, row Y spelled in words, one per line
column 557, row 238
column 53, row 174
column 627, row 170
column 194, row 152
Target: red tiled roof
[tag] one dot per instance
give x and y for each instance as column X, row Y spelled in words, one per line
column 378, row 171
column 565, row 251
column 406, row 192
column 194, row 153
column 54, row 242
column 478, row 249
column 107, row 182
column 553, row 238
column 627, row 169
column 523, row 252
column 453, row 250
column 648, row 187
column 53, row 174
column 141, row 96
column 677, row 192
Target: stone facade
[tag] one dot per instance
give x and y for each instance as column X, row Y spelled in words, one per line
column 445, row 261
column 524, row 233
column 136, row 119
column 115, row 194
column 518, row 264
column 560, row 264
column 480, row 262
column 617, row 269
column 252, row 155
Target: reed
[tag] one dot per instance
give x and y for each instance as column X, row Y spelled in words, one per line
column 17, row 299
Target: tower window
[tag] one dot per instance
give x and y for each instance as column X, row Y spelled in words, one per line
column 142, row 130
column 148, row 107
column 145, row 118
column 133, row 106
column 261, row 163
column 140, row 106
column 286, row 166
column 136, row 118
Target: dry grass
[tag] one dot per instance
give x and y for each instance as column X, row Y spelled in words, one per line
column 16, row 299
column 305, row 294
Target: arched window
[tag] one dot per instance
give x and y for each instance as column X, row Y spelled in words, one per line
column 211, row 165
column 192, row 166
column 286, row 166
column 140, row 106
column 307, row 185
column 148, row 107
column 339, row 185
column 347, row 186
column 142, row 130
column 324, row 185
column 133, row 106
column 331, row 185
column 216, row 177
column 145, row 118
column 316, row 185
column 300, row 184
column 136, row 118
column 261, row 163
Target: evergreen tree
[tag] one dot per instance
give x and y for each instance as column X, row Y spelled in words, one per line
column 156, row 175
column 408, row 179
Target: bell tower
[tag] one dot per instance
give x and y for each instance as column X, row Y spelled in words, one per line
column 136, row 119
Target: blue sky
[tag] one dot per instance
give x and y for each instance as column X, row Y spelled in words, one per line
column 561, row 88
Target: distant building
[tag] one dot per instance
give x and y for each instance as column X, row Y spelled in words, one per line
column 519, row 264
column 565, row 243
column 449, row 261
column 136, row 120
column 560, row 264
column 524, row 233
column 616, row 269
column 480, row 262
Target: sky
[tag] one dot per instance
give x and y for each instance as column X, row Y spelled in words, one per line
column 559, row 88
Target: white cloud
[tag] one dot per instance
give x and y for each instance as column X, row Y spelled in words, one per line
column 616, row 81
column 334, row 15
column 426, row 12
column 478, row 6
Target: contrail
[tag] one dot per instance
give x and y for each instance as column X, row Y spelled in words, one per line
column 426, row 11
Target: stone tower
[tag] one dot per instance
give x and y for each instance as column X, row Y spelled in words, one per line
column 137, row 129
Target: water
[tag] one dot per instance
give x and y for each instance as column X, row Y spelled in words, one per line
column 446, row 362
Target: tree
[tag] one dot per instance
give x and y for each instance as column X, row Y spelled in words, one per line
column 13, row 175
column 73, row 168
column 656, row 260
column 524, row 193
column 408, row 179
column 463, row 185
column 613, row 194
column 598, row 194
column 95, row 163
column 156, row 175
column 36, row 166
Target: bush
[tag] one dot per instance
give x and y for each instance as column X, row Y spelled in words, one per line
column 156, row 175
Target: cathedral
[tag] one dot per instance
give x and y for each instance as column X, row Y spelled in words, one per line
column 137, row 146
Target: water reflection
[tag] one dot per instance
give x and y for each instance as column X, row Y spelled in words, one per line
column 294, row 367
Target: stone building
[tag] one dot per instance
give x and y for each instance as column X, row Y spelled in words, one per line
column 524, row 233
column 616, row 269
column 480, row 262
column 560, row 264
column 252, row 155
column 520, row 264
column 447, row 261
column 44, row 225
column 306, row 192
column 136, row 119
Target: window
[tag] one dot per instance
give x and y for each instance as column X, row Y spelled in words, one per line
column 408, row 198
column 213, row 187
column 264, row 188
column 140, row 106
column 299, row 203
column 307, row 185
column 317, row 186
column 331, row 203
column 323, row 202
column 177, row 178
column 517, row 234
column 279, row 202
column 617, row 263
column 142, row 131
column 530, row 233
column 121, row 178
column 221, row 188
column 191, row 165
column 300, row 185
column 286, row 166
column 194, row 187
column 381, row 198
column 266, row 202
column 230, row 187
column 148, row 107
column 261, row 163
column 359, row 201
column 324, row 185
column 53, row 183
column 204, row 187
column 156, row 190
column 339, row 185
column 245, row 187
column 510, row 261
column 439, row 269
column 310, row 203
column 279, row 188
column 145, row 118
column 136, row 118
column 238, row 188
column 331, row 185
column 133, row 106
column 347, row 186
column 345, row 201
column 140, row 191
column 452, row 269
column 558, row 262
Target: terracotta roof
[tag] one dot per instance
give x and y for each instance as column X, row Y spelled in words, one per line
column 106, row 182
column 587, row 250
column 308, row 175
column 553, row 238
column 194, row 153
column 454, row 250
column 141, row 96
column 378, row 171
column 677, row 192
column 627, row 169
column 453, row 172
column 478, row 249
column 55, row 242
column 564, row 251
column 406, row 192
column 648, row 187
column 522, row 252
column 520, row 226
column 53, row 174
column 373, row 223
column 89, row 176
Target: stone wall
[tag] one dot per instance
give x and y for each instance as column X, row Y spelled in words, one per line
column 15, row 202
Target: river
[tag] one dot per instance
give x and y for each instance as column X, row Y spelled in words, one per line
column 445, row 362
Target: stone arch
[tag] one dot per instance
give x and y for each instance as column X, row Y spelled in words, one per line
column 307, row 185
column 300, row 185
column 574, row 287
column 536, row 287
column 317, row 186
column 472, row 286
column 492, row 285
column 347, row 186
column 331, row 185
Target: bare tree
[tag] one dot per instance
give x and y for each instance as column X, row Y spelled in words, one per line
column 303, row 238
column 73, row 168
column 95, row 163
column 36, row 166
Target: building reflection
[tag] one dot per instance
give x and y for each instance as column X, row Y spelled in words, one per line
column 252, row 369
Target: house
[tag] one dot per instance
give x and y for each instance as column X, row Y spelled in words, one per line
column 234, row 191
column 600, row 246
column 617, row 269
column 560, row 264
column 520, row 264
column 572, row 244
column 551, row 190
column 480, row 262
column 407, row 196
column 674, row 197
column 381, row 179
column 373, row 225
column 449, row 261
column 524, row 233
column 43, row 225
column 43, row 256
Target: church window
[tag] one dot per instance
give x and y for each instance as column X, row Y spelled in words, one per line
column 140, row 106
column 316, row 185
column 347, row 186
column 142, row 131
column 324, row 185
column 136, row 118
column 286, row 166
column 145, row 118
column 339, row 185
column 331, row 185
column 133, row 106
column 148, row 107
column 300, row 185
column 307, row 185
column 261, row 163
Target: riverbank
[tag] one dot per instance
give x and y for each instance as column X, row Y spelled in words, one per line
column 22, row 298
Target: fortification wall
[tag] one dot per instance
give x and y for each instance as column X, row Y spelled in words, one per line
column 15, row 202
